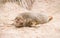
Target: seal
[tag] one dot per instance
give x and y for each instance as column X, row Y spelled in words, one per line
column 31, row 19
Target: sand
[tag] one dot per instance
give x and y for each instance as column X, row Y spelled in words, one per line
column 49, row 30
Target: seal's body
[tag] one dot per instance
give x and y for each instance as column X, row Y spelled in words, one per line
column 30, row 19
